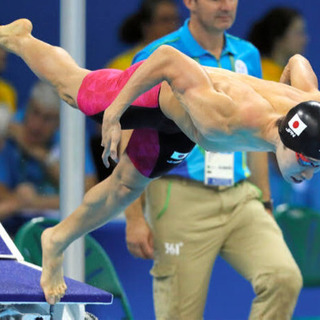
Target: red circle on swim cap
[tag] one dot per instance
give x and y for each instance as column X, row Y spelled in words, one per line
column 295, row 124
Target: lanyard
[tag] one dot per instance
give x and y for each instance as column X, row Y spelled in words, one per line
column 232, row 62
column 231, row 58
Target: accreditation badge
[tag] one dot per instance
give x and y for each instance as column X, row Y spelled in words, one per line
column 219, row 169
column 240, row 67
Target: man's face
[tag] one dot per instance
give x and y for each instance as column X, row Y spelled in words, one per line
column 165, row 20
column 295, row 39
column 40, row 123
column 213, row 15
column 294, row 167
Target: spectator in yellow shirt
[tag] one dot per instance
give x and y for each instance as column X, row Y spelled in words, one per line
column 154, row 19
column 8, row 96
column 278, row 35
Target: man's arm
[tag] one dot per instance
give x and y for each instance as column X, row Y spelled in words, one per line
column 299, row 74
column 138, row 233
column 258, row 164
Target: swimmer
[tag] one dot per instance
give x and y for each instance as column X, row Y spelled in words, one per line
column 174, row 97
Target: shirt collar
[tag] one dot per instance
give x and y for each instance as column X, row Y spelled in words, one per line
column 194, row 49
column 230, row 47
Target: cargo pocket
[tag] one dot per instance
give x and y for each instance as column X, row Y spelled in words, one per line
column 165, row 291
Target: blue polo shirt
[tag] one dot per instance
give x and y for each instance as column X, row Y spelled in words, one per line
column 237, row 55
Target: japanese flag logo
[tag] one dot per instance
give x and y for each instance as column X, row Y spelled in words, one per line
column 297, row 125
column 178, row 155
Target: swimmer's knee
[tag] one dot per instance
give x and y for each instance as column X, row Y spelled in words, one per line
column 128, row 190
column 64, row 94
column 69, row 79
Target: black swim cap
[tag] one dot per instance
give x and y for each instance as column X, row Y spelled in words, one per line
column 300, row 129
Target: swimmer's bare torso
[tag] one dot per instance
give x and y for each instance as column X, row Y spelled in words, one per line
column 256, row 103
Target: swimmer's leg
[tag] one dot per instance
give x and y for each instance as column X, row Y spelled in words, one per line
column 100, row 204
column 49, row 63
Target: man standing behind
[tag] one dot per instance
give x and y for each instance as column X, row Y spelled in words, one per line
column 206, row 206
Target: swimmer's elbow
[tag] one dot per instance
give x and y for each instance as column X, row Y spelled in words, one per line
column 165, row 53
column 297, row 59
column 297, row 56
column 171, row 62
column 163, row 57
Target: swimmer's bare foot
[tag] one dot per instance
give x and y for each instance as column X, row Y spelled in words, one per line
column 52, row 281
column 12, row 33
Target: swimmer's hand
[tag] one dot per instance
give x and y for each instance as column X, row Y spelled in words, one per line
column 111, row 135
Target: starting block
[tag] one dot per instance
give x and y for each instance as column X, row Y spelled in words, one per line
column 21, row 296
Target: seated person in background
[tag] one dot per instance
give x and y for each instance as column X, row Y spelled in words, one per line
column 280, row 34
column 154, row 19
column 29, row 161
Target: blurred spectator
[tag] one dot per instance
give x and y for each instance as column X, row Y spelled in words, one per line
column 279, row 34
column 8, row 99
column 8, row 96
column 154, row 19
column 29, row 162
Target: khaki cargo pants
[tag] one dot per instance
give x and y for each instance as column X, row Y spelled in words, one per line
column 192, row 224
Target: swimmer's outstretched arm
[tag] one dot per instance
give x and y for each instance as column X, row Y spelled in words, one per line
column 299, row 74
column 49, row 63
column 189, row 82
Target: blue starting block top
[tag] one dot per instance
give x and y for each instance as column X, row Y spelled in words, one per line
column 20, row 280
column 20, row 283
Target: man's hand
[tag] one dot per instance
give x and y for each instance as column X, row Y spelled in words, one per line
column 26, row 194
column 111, row 136
column 16, row 132
column 139, row 239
